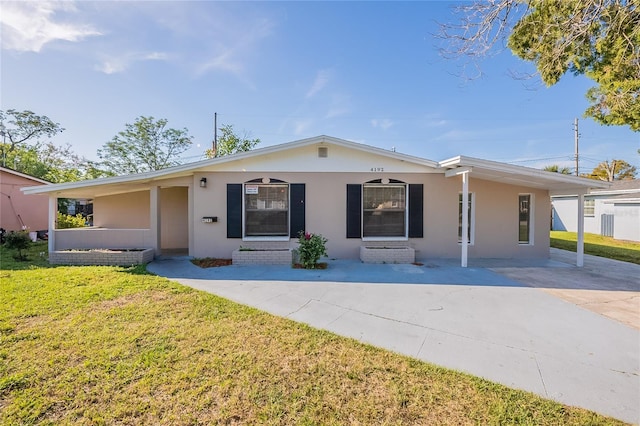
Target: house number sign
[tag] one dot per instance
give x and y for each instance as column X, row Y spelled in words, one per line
column 377, row 169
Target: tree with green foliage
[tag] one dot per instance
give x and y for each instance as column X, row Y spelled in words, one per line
column 596, row 38
column 609, row 171
column 25, row 148
column 144, row 146
column 18, row 128
column 51, row 163
column 557, row 169
column 230, row 143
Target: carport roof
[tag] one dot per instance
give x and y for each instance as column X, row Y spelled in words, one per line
column 555, row 183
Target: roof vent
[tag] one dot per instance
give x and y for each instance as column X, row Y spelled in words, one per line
column 323, row 152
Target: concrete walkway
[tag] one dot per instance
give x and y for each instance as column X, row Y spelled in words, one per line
column 473, row 320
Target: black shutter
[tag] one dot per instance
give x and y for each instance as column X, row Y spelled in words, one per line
column 416, row 208
column 354, row 211
column 296, row 209
column 234, row 210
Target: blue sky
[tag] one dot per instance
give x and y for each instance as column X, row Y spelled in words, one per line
column 369, row 72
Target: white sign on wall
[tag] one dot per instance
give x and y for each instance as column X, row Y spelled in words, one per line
column 251, row 189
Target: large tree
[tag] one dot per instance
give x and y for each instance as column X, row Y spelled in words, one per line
column 231, row 143
column 26, row 147
column 23, row 128
column 50, row 162
column 609, row 171
column 143, row 146
column 596, row 38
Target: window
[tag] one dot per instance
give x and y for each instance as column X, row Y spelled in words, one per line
column 589, row 207
column 525, row 210
column 384, row 212
column 266, row 210
column 471, row 214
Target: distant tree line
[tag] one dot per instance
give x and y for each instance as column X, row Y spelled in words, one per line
column 145, row 145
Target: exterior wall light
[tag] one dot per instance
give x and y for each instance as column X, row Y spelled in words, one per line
column 203, row 182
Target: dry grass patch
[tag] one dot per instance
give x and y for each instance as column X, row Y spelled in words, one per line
column 105, row 345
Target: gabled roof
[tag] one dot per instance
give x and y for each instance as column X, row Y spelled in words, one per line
column 205, row 165
column 482, row 169
column 23, row 175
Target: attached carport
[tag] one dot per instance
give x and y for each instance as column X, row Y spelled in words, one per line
column 554, row 183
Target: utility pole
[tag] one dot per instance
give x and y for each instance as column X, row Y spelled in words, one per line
column 576, row 137
column 215, row 134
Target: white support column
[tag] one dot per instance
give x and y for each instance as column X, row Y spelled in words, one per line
column 190, row 213
column 464, row 171
column 580, row 246
column 465, row 219
column 53, row 215
column 154, row 219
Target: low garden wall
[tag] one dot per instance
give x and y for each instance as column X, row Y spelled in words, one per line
column 262, row 257
column 109, row 257
column 384, row 254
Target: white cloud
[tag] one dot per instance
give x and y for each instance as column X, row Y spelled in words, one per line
column 384, row 124
column 28, row 25
column 122, row 62
column 321, row 80
column 234, row 47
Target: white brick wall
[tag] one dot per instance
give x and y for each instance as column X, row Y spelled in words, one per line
column 380, row 254
column 262, row 257
column 101, row 257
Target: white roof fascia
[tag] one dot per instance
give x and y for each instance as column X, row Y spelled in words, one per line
column 193, row 167
column 571, row 181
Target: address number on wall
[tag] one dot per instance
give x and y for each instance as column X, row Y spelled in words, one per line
column 377, row 169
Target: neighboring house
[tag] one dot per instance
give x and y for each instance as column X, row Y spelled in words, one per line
column 353, row 194
column 613, row 212
column 17, row 210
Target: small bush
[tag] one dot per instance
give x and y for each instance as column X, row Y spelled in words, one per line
column 66, row 221
column 18, row 240
column 311, row 249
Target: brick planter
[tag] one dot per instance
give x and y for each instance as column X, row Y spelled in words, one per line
column 387, row 254
column 110, row 257
column 262, row 257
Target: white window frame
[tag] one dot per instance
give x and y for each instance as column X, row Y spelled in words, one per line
column 244, row 215
column 590, row 210
column 406, row 213
column 532, row 221
column 472, row 220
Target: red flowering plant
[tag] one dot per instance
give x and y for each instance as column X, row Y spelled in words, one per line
column 311, row 248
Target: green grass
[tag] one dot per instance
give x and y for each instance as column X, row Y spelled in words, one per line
column 597, row 245
column 110, row 345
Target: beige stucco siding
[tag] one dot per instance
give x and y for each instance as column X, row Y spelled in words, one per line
column 14, row 205
column 122, row 211
column 174, row 218
column 496, row 214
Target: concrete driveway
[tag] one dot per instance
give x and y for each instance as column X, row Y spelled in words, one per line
column 487, row 320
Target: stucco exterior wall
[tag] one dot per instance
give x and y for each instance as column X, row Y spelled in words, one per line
column 496, row 214
column 129, row 210
column 174, row 218
column 32, row 209
column 627, row 221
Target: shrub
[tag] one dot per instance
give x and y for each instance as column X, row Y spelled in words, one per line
column 312, row 247
column 18, row 240
column 66, row 221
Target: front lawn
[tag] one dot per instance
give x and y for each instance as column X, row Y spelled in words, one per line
column 597, row 245
column 110, row 345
